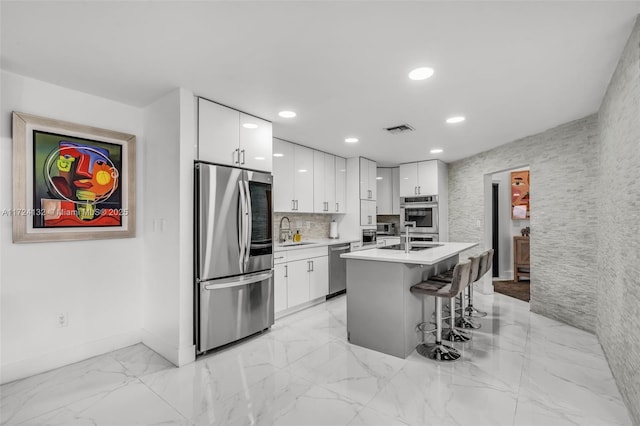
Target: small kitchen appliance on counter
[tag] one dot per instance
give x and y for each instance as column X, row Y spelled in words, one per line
column 384, row 228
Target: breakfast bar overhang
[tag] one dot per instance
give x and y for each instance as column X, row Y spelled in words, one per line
column 382, row 313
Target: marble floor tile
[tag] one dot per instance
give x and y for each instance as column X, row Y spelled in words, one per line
column 519, row 369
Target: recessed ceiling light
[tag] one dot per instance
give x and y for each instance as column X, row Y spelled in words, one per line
column 379, row 178
column 277, row 154
column 250, row 126
column 259, row 158
column 456, row 119
column 421, row 73
column 287, row 114
column 351, row 140
column 303, row 170
column 436, row 151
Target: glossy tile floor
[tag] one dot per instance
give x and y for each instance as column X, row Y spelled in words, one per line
column 519, row 369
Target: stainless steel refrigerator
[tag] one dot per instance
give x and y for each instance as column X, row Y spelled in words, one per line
column 234, row 254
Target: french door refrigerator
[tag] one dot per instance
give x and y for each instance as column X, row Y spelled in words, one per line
column 234, row 254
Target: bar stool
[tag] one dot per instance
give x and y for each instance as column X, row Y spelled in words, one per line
column 462, row 322
column 485, row 266
column 440, row 290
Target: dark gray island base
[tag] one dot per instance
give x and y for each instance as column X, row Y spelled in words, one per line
column 382, row 313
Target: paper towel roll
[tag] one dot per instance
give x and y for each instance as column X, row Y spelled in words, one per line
column 333, row 229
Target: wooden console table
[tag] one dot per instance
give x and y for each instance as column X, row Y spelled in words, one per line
column 520, row 258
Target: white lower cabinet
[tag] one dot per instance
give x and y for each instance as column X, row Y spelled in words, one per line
column 302, row 276
column 319, row 277
column 280, row 278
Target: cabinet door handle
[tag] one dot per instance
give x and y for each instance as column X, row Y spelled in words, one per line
column 311, row 266
column 308, row 266
column 243, row 156
column 296, row 205
column 233, row 156
column 418, row 190
column 369, row 220
column 293, row 204
column 286, row 271
column 337, row 207
column 415, row 190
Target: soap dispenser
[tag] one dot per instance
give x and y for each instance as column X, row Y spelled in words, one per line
column 297, row 237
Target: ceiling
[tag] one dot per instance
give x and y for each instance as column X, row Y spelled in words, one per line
column 512, row 68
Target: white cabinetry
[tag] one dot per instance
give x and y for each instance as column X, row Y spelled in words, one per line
column 341, row 185
column 227, row 136
column 300, row 276
column 292, row 177
column 324, row 182
column 388, row 197
column 367, row 179
column 368, row 213
column 421, row 178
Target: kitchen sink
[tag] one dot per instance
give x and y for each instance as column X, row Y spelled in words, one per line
column 413, row 247
column 294, row 244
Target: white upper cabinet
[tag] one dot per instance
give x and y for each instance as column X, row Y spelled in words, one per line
column 395, row 190
column 292, row 177
column 341, row 185
column 368, row 213
column 408, row 179
column 324, row 182
column 420, row 178
column 227, row 136
column 255, row 143
column 388, row 185
column 218, row 133
column 384, row 183
column 367, row 179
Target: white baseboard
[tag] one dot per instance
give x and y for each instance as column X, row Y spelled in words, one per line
column 65, row 356
column 177, row 355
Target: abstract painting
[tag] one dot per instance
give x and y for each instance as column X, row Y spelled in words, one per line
column 520, row 207
column 71, row 182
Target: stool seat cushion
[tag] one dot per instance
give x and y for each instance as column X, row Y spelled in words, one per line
column 431, row 288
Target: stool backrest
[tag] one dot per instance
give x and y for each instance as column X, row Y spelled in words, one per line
column 461, row 273
column 475, row 268
column 489, row 260
column 483, row 264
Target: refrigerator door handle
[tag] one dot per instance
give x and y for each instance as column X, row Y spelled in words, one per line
column 242, row 220
column 249, row 219
column 238, row 281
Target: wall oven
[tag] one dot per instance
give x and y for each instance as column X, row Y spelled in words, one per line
column 423, row 210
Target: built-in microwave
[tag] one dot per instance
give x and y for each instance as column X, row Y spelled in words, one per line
column 386, row 228
column 368, row 237
column 421, row 210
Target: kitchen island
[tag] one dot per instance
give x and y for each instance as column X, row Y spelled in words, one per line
column 382, row 313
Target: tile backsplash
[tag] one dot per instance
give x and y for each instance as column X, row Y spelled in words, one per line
column 310, row 225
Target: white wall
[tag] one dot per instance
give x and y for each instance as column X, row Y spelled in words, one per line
column 98, row 283
column 169, row 153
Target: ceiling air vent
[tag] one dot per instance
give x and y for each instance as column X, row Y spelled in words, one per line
column 403, row 128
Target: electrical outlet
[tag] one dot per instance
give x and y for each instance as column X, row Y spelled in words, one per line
column 308, row 225
column 63, row 319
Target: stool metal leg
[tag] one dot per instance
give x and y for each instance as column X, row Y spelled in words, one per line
column 463, row 321
column 438, row 351
column 453, row 334
column 470, row 311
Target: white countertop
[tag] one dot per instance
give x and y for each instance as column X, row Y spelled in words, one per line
column 429, row 256
column 311, row 243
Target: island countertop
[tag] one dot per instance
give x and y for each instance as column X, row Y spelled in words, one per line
column 430, row 256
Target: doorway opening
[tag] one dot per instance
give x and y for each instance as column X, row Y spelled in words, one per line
column 508, row 224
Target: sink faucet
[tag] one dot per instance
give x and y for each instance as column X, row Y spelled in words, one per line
column 286, row 231
column 407, row 244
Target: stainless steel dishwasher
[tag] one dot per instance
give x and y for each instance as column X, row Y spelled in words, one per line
column 337, row 269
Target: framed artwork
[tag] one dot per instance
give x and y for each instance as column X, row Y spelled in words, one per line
column 71, row 182
column 520, row 207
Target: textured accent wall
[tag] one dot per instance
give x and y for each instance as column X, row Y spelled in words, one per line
column 563, row 163
column 618, row 284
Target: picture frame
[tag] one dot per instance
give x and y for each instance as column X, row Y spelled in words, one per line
column 71, row 182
